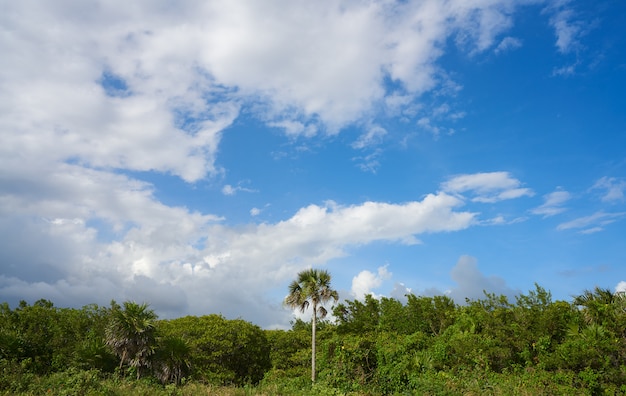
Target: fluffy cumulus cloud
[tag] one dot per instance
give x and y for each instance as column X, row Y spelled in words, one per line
column 184, row 262
column 366, row 281
column 107, row 92
column 115, row 83
column 316, row 234
column 96, row 94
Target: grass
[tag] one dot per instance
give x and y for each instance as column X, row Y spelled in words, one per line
column 522, row 383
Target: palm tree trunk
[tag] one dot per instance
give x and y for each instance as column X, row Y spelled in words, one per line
column 122, row 359
column 313, row 325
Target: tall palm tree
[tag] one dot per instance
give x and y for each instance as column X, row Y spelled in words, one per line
column 312, row 287
column 131, row 334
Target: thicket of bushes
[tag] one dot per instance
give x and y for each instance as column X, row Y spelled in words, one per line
column 427, row 345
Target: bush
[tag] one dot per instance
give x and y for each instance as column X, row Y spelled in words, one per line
column 226, row 352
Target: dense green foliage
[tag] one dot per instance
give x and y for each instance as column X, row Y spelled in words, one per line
column 426, row 345
column 222, row 351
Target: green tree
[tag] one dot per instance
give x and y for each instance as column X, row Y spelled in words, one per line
column 288, row 349
column 221, row 351
column 401, row 357
column 358, row 317
column 91, row 351
column 34, row 335
column 540, row 325
column 312, row 287
column 131, row 334
column 431, row 315
column 348, row 361
column 394, row 317
column 46, row 339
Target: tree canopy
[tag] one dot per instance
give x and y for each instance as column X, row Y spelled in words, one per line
column 375, row 346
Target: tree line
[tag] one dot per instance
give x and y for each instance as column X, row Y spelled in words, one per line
column 424, row 345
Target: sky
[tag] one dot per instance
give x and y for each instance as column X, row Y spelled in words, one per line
column 196, row 155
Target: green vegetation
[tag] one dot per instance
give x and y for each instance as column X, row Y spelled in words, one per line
column 426, row 346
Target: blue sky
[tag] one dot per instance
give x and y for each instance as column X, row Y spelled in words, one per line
column 197, row 154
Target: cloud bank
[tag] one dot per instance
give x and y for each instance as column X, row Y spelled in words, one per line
column 97, row 95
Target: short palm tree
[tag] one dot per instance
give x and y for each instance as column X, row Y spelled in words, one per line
column 598, row 304
column 172, row 360
column 131, row 334
column 312, row 287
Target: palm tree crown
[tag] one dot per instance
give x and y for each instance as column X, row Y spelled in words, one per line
column 602, row 306
column 311, row 287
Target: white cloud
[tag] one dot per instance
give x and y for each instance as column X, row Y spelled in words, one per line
column 108, row 232
column 400, row 291
column 79, row 236
column 567, row 30
column 508, row 44
column 228, row 190
column 553, row 203
column 495, row 220
column 318, row 233
column 621, row 287
column 59, row 111
column 434, row 119
column 426, row 124
column 232, row 190
column 369, row 162
column 487, row 187
column 593, row 223
column 396, row 104
column 471, row 283
column 295, row 128
column 566, row 70
column 614, row 189
column 255, row 212
column 151, row 88
column 373, row 136
column 591, row 230
column 366, row 281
